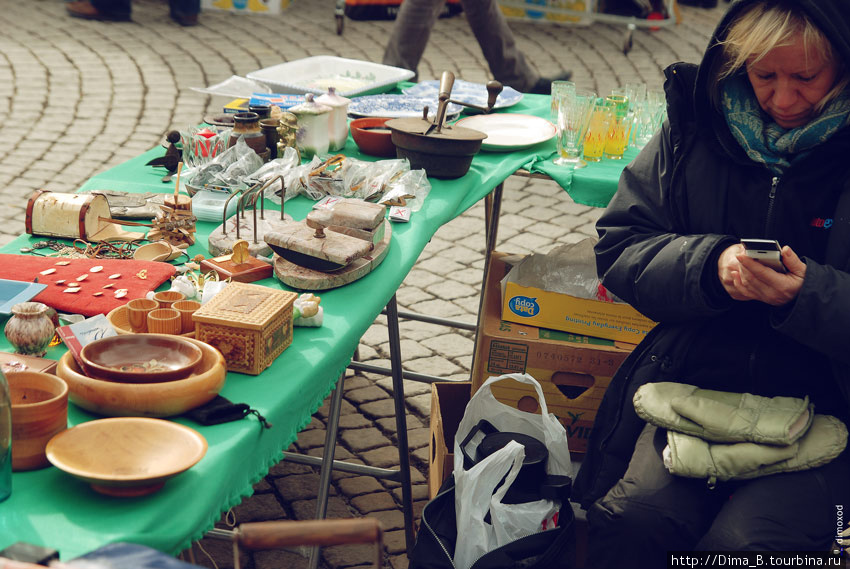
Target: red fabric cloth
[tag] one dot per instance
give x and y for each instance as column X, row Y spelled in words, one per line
column 27, row 268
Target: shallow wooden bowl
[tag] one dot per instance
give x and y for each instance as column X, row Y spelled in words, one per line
column 140, row 358
column 39, row 411
column 126, row 456
column 118, row 318
column 114, row 399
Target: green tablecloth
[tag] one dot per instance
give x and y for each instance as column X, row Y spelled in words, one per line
column 49, row 508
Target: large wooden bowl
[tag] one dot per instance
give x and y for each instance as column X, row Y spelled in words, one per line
column 114, row 399
column 140, row 358
column 126, row 456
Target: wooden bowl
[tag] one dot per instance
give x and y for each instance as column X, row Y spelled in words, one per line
column 39, row 411
column 119, row 320
column 126, row 456
column 140, row 358
column 372, row 137
column 113, row 399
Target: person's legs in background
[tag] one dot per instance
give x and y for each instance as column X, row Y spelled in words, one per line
column 410, row 33
column 114, row 10
column 507, row 63
column 185, row 12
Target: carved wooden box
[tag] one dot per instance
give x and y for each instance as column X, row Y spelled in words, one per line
column 249, row 324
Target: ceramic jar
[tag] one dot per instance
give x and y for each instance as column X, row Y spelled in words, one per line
column 338, row 122
column 30, row 328
column 247, row 125
column 313, row 119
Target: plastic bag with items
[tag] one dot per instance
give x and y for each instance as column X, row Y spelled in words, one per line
column 478, row 492
column 384, row 181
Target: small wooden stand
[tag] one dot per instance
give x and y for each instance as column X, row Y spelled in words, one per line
column 239, row 266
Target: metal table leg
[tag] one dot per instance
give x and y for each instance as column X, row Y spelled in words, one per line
column 401, row 423
column 327, row 461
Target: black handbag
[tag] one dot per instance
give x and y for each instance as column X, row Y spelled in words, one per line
column 435, row 542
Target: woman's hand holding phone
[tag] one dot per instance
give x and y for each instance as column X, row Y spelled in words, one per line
column 745, row 278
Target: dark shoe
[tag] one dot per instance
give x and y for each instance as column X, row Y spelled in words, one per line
column 84, row 9
column 544, row 84
column 186, row 20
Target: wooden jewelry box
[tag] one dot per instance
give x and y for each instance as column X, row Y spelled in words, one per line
column 249, row 324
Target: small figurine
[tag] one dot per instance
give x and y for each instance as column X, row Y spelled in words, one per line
column 306, row 311
column 287, row 133
column 173, row 155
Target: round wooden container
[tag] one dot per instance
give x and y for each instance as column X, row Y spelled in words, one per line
column 113, row 399
column 39, row 411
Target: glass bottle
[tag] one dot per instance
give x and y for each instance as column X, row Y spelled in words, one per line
column 5, row 439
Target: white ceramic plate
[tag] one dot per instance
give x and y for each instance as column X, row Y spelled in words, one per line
column 315, row 74
column 397, row 106
column 466, row 91
column 509, row 131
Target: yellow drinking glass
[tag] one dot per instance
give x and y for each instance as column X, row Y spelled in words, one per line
column 620, row 127
column 597, row 131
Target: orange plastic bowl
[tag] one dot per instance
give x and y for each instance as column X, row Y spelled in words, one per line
column 372, row 137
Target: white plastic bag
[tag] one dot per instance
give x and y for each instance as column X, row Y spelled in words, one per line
column 476, row 490
column 544, row 426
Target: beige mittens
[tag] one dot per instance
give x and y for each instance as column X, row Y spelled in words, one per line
column 721, row 416
column 721, row 436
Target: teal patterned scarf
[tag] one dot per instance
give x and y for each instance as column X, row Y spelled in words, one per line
column 769, row 143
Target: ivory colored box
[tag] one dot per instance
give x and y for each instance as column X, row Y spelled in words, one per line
column 249, row 324
column 536, row 307
column 574, row 371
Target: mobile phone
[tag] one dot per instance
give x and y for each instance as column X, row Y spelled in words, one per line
column 766, row 251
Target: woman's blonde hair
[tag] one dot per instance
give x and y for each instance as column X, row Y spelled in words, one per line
column 763, row 27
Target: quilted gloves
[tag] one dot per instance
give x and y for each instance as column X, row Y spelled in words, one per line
column 722, row 436
column 696, row 458
column 721, row 416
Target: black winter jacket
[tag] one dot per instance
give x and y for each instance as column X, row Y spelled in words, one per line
column 691, row 193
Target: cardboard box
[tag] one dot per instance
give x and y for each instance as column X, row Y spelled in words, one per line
column 249, row 324
column 536, row 307
column 448, row 403
column 574, row 371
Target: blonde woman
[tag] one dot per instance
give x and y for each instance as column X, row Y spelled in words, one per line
column 756, row 145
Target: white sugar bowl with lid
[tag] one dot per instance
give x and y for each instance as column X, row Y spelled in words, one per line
column 338, row 124
column 313, row 124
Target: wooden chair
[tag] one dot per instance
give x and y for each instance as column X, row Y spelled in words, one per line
column 260, row 536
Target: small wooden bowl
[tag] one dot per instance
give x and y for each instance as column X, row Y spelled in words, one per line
column 141, row 358
column 126, row 456
column 112, row 399
column 39, row 411
column 372, row 137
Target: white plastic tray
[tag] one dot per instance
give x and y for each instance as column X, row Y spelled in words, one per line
column 350, row 77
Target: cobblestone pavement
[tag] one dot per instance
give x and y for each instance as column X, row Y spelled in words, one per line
column 80, row 97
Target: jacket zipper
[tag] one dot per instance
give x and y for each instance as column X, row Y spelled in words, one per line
column 771, row 198
column 434, row 534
